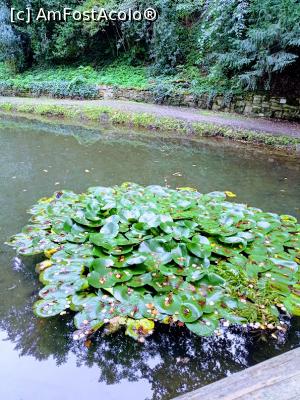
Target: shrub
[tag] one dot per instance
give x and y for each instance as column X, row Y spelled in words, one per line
column 11, row 50
column 61, row 89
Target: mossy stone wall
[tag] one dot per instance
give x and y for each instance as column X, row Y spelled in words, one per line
column 255, row 105
column 252, row 105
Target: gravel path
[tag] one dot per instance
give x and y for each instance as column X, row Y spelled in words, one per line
column 274, row 127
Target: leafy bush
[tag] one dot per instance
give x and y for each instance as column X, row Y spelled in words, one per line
column 63, row 89
column 133, row 256
column 80, row 82
column 11, row 50
column 84, row 76
column 249, row 42
column 231, row 45
column 162, row 91
column 6, row 87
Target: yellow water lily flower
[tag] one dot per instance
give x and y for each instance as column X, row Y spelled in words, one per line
column 230, row 194
column 43, row 265
column 46, row 199
column 50, row 252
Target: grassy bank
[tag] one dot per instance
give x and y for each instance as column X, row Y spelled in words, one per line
column 83, row 81
column 79, row 81
column 110, row 115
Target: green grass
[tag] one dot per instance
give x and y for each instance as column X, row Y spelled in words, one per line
column 80, row 82
column 152, row 122
column 120, row 75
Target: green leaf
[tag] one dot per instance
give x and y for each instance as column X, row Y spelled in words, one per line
column 110, row 229
column 167, row 304
column 101, row 264
column 63, row 290
column 49, row 307
column 56, row 273
column 139, row 328
column 107, row 279
column 200, row 246
column 189, row 311
column 140, row 280
column 204, row 327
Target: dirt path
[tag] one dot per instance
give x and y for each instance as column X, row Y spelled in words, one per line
column 188, row 114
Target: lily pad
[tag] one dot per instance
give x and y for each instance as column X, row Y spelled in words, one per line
column 189, row 311
column 204, row 327
column 49, row 307
column 134, row 256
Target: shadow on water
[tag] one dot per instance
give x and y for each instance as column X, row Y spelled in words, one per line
column 39, row 356
column 172, row 361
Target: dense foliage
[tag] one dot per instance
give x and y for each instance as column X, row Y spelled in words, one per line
column 213, row 45
column 250, row 40
column 77, row 82
column 133, row 256
column 11, row 50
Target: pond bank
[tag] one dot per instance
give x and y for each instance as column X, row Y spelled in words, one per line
column 163, row 118
column 274, row 379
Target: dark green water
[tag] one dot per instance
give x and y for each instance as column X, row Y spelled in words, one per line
column 38, row 359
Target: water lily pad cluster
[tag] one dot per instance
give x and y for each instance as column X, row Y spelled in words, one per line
column 135, row 256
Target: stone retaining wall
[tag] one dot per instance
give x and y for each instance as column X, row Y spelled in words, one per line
column 262, row 106
column 252, row 105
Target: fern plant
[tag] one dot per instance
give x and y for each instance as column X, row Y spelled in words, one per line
column 250, row 40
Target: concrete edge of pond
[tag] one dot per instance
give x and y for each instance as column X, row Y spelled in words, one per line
column 275, row 379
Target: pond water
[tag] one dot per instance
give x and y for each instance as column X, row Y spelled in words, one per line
column 38, row 358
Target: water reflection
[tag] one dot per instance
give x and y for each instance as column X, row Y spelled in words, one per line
column 170, row 352
column 172, row 361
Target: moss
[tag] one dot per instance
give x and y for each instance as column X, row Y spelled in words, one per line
column 150, row 121
column 25, row 108
column 6, row 107
column 93, row 113
column 202, row 129
column 53, row 110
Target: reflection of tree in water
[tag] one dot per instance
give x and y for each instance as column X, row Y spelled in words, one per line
column 173, row 360
column 84, row 136
column 32, row 336
column 37, row 337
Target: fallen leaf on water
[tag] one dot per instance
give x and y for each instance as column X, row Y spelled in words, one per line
column 229, row 194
